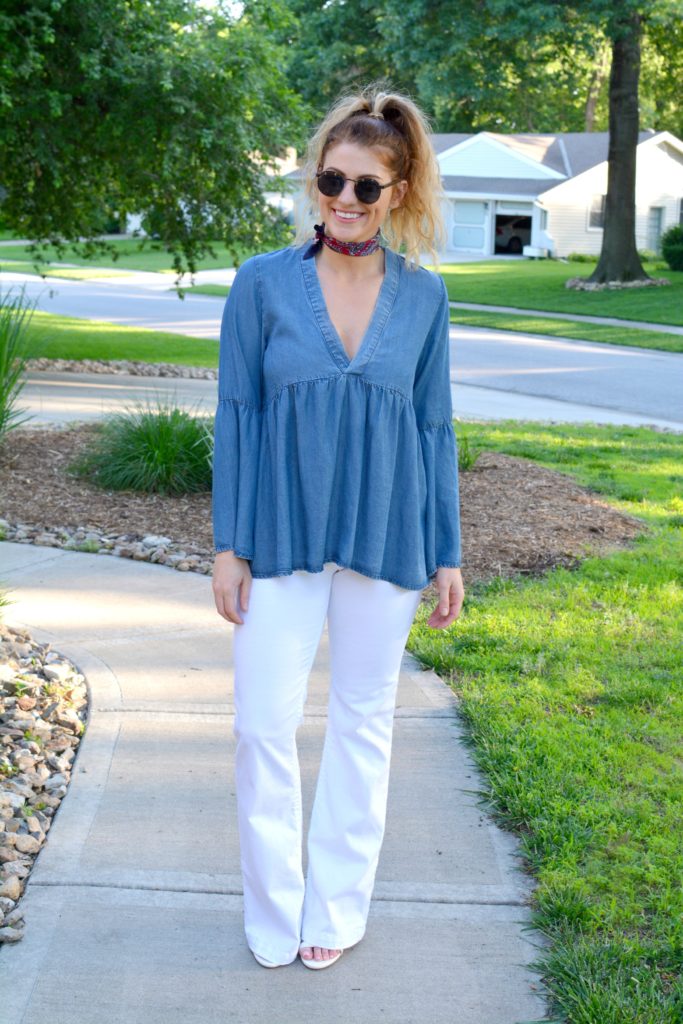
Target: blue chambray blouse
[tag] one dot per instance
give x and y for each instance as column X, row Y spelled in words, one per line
column 321, row 458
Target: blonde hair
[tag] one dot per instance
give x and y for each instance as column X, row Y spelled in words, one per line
column 392, row 121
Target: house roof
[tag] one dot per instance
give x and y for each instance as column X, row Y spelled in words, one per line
column 565, row 153
column 582, row 150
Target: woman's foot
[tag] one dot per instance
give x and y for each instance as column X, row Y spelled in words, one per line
column 319, row 956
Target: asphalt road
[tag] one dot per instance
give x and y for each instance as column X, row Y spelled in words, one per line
column 495, row 373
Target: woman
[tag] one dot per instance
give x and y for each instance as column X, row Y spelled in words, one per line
column 335, row 497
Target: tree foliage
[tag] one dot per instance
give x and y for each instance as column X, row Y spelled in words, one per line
column 498, row 65
column 159, row 107
column 494, row 65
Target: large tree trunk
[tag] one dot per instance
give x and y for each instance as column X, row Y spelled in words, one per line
column 619, row 260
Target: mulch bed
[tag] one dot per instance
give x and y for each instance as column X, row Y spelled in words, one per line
column 516, row 516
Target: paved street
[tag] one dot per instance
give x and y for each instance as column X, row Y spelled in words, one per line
column 496, row 374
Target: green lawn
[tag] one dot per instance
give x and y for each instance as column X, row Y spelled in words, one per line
column 527, row 284
column 130, row 257
column 540, row 285
column 537, row 325
column 571, row 692
column 63, row 337
column 577, row 329
column 208, row 289
column 68, row 273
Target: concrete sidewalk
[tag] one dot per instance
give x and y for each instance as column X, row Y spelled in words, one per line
column 57, row 397
column 133, row 909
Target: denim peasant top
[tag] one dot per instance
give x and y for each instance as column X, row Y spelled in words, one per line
column 318, row 457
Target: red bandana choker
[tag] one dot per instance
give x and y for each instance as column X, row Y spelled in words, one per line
column 365, row 248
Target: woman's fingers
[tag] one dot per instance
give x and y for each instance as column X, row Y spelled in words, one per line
column 229, row 579
column 451, row 597
column 246, row 591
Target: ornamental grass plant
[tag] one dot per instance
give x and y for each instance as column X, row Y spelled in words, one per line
column 156, row 448
column 15, row 315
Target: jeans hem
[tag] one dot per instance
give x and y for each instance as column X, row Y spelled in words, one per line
column 333, row 942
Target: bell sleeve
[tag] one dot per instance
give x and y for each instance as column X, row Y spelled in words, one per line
column 237, row 423
column 434, row 415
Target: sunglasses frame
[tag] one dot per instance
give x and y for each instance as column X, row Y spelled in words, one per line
column 356, row 182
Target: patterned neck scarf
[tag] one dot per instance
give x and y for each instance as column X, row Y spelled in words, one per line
column 370, row 245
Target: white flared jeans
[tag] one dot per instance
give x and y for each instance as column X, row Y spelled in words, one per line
column 274, row 648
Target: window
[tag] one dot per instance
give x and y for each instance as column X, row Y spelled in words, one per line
column 544, row 220
column 655, row 220
column 680, row 212
column 596, row 218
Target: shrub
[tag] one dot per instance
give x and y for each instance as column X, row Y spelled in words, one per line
column 672, row 247
column 15, row 314
column 161, row 449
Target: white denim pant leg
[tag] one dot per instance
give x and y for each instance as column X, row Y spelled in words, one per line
column 368, row 623
column 273, row 650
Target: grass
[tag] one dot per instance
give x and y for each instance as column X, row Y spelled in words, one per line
column 571, row 691
column 129, row 256
column 540, row 285
column 576, row 329
column 155, row 448
column 68, row 273
column 208, row 289
column 516, row 285
column 63, row 337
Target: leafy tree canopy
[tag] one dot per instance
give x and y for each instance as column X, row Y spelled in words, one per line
column 494, row 65
column 159, row 107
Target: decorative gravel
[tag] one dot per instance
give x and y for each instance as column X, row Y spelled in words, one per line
column 130, row 366
column 43, row 710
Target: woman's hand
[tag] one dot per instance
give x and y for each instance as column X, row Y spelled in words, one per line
column 451, row 596
column 231, row 575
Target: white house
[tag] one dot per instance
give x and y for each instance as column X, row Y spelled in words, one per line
column 543, row 194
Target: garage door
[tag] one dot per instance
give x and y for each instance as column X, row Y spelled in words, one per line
column 469, row 225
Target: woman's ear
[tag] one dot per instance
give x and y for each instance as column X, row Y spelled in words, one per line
column 398, row 194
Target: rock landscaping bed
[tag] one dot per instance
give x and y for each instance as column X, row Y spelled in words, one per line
column 130, row 366
column 42, row 719
column 516, row 516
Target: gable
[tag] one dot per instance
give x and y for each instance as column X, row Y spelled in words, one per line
column 481, row 155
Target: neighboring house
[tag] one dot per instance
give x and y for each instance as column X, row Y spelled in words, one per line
column 543, row 194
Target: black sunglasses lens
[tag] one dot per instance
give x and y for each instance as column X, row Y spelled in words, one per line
column 368, row 190
column 330, row 184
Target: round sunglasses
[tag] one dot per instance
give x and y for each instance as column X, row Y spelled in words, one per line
column 331, row 183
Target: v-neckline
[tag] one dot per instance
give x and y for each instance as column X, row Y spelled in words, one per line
column 383, row 304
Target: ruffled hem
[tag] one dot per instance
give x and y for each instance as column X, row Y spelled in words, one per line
column 336, row 469
column 368, row 506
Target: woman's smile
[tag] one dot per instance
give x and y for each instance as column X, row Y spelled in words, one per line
column 347, row 215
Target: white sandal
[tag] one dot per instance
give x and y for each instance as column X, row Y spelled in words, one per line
column 317, row 965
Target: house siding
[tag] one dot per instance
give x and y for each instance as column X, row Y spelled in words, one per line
column 659, row 182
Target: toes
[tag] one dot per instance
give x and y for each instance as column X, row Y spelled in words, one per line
column 318, row 952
